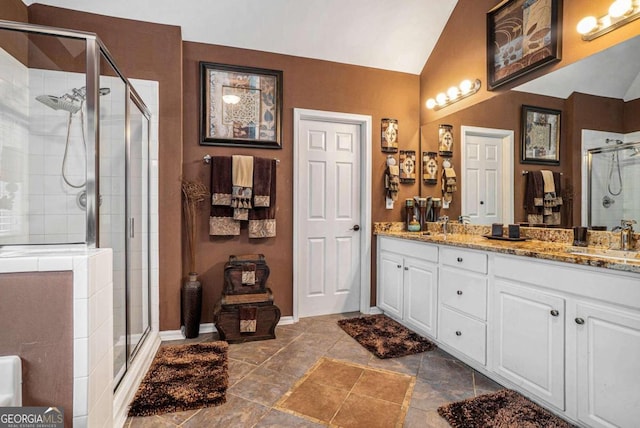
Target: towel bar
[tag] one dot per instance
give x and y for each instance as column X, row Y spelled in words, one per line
column 207, row 159
column 525, row 172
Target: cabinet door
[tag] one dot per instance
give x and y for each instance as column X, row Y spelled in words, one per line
column 608, row 355
column 528, row 340
column 420, row 298
column 390, row 283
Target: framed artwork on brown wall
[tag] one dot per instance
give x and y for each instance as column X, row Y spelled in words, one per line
column 240, row 106
column 540, row 135
column 522, row 35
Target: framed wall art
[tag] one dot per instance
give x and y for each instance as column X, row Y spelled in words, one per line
column 389, row 136
column 407, row 166
column 540, row 135
column 240, row 106
column 522, row 35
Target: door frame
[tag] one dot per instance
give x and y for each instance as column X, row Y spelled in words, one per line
column 507, row 137
column 364, row 122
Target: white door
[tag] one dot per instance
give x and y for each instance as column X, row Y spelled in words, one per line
column 329, row 215
column 487, row 175
column 528, row 340
column 608, row 375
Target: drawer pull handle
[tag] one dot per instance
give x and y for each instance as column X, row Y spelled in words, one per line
column 399, row 266
column 458, row 333
column 406, row 268
column 554, row 313
column 579, row 321
column 459, row 292
column 459, row 259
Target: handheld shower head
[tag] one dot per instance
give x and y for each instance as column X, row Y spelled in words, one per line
column 635, row 150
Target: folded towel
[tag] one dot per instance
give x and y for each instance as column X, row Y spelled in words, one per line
column 242, row 179
column 248, row 321
column 262, row 182
column 221, row 222
column 534, row 193
column 262, row 220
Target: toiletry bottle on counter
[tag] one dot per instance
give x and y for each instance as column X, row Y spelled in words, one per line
column 409, row 212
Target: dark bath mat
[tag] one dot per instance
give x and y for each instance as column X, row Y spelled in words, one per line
column 503, row 409
column 183, row 377
column 384, row 337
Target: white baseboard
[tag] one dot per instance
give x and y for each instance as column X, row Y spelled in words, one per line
column 207, row 328
column 374, row 310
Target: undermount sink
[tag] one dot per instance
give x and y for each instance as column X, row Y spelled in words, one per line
column 605, row 253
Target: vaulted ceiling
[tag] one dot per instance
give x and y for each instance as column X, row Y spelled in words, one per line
column 396, row 35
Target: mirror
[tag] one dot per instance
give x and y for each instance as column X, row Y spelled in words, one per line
column 593, row 93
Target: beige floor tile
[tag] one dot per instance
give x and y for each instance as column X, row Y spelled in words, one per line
column 359, row 411
column 263, row 386
column 336, row 374
column 384, row 386
column 315, row 400
column 236, row 412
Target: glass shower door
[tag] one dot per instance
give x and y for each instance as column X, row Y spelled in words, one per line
column 138, row 226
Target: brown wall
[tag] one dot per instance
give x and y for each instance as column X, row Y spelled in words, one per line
column 36, row 315
column 144, row 50
column 13, row 42
column 310, row 84
column 632, row 116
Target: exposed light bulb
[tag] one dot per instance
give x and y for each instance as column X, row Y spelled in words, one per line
column 453, row 93
column 431, row 103
column 620, row 7
column 465, row 86
column 587, row 25
column 231, row 99
column 441, row 98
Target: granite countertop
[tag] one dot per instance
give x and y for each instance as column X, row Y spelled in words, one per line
column 555, row 248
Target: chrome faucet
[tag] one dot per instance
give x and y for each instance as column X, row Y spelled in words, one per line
column 627, row 238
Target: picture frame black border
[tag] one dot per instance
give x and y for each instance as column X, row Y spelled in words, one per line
column 205, row 140
column 526, row 109
column 556, row 44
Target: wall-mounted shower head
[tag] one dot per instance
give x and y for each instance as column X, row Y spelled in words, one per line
column 59, row 103
column 635, row 150
column 71, row 101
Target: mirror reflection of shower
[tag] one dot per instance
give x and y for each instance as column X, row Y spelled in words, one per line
column 72, row 102
column 614, row 180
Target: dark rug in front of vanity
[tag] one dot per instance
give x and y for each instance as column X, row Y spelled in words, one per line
column 384, row 337
column 504, row 408
column 183, row 377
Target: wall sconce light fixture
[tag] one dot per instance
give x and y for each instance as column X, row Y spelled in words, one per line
column 454, row 94
column 621, row 12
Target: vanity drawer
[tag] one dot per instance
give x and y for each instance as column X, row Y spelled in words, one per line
column 464, row 291
column 406, row 247
column 463, row 333
column 470, row 260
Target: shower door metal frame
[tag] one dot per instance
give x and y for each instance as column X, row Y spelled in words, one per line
column 590, row 154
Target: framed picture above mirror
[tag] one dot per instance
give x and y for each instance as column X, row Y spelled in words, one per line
column 522, row 35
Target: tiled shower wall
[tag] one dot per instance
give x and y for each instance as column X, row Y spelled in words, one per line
column 14, row 149
column 626, row 205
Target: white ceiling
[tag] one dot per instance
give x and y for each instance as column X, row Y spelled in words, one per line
column 614, row 73
column 396, row 35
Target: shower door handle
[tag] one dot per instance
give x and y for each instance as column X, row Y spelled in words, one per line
column 132, row 233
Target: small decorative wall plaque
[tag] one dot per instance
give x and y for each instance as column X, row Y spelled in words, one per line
column 389, row 137
column 445, row 140
column 407, row 166
column 430, row 167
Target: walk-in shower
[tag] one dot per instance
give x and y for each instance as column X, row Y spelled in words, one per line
column 613, row 171
column 78, row 171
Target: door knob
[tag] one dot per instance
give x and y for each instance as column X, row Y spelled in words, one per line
column 356, row 227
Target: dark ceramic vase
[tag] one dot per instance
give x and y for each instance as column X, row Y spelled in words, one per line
column 191, row 297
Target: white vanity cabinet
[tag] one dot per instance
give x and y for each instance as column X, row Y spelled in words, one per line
column 608, row 365
column 462, row 301
column 407, row 283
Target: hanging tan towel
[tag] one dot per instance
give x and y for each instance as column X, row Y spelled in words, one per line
column 242, row 179
column 221, row 222
column 262, row 220
column 248, row 322
column 549, row 185
column 392, row 182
